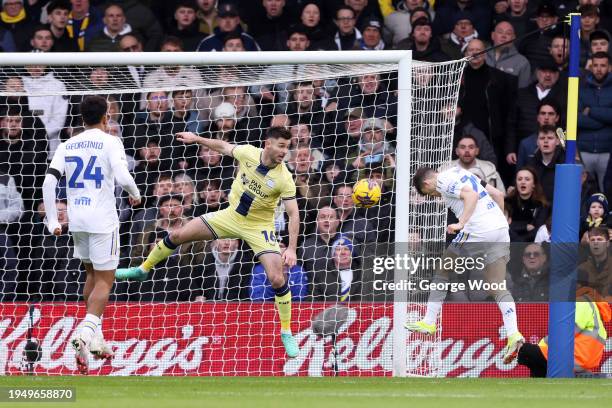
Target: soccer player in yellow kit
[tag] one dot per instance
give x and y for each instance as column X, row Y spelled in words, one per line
column 262, row 180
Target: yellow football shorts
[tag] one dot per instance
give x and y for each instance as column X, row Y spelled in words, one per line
column 229, row 224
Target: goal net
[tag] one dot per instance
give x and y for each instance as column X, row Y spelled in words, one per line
column 209, row 309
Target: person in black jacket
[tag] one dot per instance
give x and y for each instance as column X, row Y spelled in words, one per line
column 424, row 46
column 549, row 154
column 487, row 98
column 527, row 204
column 523, row 122
column 185, row 25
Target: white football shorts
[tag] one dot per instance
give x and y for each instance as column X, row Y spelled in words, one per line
column 490, row 245
column 100, row 250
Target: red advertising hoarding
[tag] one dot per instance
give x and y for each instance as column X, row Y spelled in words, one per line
column 242, row 339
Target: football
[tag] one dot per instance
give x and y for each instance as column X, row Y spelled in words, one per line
column 366, row 193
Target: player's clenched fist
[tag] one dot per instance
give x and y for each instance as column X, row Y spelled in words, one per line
column 187, row 137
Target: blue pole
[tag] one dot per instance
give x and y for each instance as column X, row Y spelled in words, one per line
column 565, row 227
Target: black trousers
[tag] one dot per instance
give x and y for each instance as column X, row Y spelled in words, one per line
column 531, row 356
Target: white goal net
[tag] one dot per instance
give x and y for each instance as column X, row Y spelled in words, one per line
column 209, row 309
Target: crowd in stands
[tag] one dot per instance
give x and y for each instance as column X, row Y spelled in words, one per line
column 512, row 99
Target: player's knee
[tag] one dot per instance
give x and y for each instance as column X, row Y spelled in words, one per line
column 277, row 280
column 176, row 236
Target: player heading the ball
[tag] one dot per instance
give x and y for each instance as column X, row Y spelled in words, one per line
column 262, row 180
column 482, row 232
column 92, row 161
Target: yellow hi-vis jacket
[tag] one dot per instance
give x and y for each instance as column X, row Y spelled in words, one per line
column 589, row 334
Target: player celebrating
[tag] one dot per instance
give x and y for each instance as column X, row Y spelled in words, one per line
column 92, row 161
column 262, row 179
column 482, row 231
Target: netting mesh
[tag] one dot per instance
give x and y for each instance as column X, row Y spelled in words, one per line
column 208, row 309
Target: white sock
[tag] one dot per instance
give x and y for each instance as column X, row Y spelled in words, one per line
column 433, row 309
column 506, row 305
column 89, row 326
column 99, row 329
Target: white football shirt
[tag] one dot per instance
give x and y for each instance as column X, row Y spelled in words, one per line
column 88, row 160
column 487, row 215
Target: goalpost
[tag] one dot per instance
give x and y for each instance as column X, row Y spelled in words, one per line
column 204, row 312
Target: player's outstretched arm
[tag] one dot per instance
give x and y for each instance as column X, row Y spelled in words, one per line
column 49, row 186
column 220, row 146
column 470, row 200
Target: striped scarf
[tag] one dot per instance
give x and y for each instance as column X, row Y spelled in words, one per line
column 82, row 29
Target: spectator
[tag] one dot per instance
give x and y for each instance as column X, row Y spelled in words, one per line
column 398, row 25
column 535, row 47
column 150, row 212
column 14, row 19
column 424, row 47
column 347, row 37
column 149, row 168
column 57, row 16
column 318, row 33
column 548, row 115
column 547, row 156
column 597, row 215
column 524, row 121
column 143, row 22
column 55, row 275
column 596, row 271
column 517, row 15
column 186, row 25
column 455, row 43
column 453, row 11
column 173, row 76
column 50, row 109
column 131, row 43
column 371, row 39
column 224, row 274
column 151, row 122
column 364, row 10
column 270, row 24
column 23, row 154
column 315, row 250
column 589, row 22
column 465, row 127
column 184, row 118
column 373, row 148
column 304, row 108
column 233, row 43
column 228, row 21
column 340, row 280
column 352, row 223
column 487, row 98
column 505, row 56
column 84, row 23
column 184, row 187
column 528, row 205
column 559, row 50
column 369, row 92
column 207, row 16
column 115, row 27
column 211, row 197
column 310, row 193
column 298, row 38
column 595, row 118
column 599, row 41
column 467, row 151
column 211, row 165
column 42, row 39
column 261, row 288
column 531, row 284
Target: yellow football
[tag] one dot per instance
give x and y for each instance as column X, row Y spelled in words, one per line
column 366, row 193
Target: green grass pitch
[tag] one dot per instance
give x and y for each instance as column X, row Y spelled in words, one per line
column 297, row 392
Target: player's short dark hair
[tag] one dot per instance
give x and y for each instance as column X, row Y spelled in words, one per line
column 601, row 55
column 93, row 109
column 419, row 178
column 278, row 133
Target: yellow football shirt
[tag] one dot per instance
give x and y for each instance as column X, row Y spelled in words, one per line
column 257, row 189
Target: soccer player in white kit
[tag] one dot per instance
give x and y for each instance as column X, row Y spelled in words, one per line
column 482, row 231
column 92, row 162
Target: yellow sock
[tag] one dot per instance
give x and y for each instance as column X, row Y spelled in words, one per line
column 283, row 304
column 158, row 254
